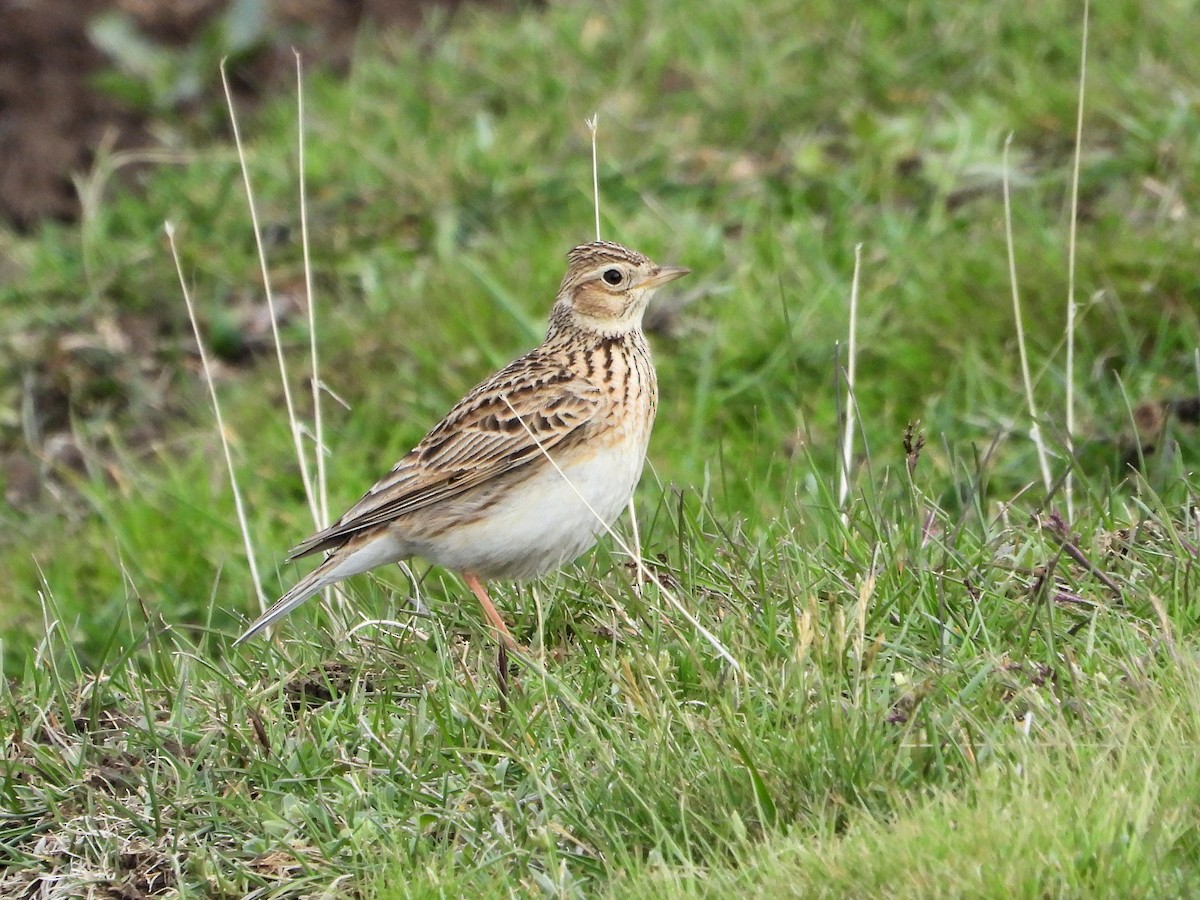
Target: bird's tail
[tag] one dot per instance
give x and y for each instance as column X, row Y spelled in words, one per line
column 312, row 583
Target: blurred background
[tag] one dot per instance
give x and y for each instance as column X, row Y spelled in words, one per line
column 79, row 74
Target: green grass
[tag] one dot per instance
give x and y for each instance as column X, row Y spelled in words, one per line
column 935, row 697
column 1064, row 813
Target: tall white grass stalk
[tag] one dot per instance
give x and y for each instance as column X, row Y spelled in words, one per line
column 1035, row 431
column 593, row 124
column 243, row 523
column 293, row 421
column 643, row 571
column 1070, row 480
column 321, row 519
column 318, row 425
column 851, row 406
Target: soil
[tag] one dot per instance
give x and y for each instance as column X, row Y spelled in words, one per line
column 53, row 114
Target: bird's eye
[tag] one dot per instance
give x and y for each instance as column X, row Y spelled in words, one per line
column 612, row 276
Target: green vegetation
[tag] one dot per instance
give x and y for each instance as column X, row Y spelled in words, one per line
column 957, row 688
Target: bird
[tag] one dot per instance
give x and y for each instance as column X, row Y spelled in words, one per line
column 527, row 470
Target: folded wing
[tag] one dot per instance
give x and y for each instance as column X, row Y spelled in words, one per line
column 525, row 410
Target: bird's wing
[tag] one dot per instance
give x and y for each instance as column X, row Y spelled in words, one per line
column 533, row 405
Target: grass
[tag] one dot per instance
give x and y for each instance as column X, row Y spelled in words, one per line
column 948, row 691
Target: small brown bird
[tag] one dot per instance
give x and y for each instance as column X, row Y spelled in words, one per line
column 526, row 471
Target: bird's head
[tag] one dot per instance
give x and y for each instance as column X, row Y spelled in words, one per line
column 607, row 287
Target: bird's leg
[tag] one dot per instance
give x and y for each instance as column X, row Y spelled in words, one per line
column 493, row 617
column 502, row 675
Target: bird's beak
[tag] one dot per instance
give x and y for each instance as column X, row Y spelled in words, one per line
column 663, row 274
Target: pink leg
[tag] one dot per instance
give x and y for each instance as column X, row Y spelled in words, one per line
column 489, row 612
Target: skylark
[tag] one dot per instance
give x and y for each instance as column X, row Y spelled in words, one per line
column 526, row 471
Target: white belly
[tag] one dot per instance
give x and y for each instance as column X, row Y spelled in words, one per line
column 547, row 521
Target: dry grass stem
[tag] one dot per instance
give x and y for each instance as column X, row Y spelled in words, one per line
column 243, row 523
column 593, row 124
column 1069, row 486
column 293, row 421
column 318, row 424
column 852, row 352
column 1035, row 431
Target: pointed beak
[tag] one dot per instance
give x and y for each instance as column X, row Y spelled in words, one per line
column 663, row 274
